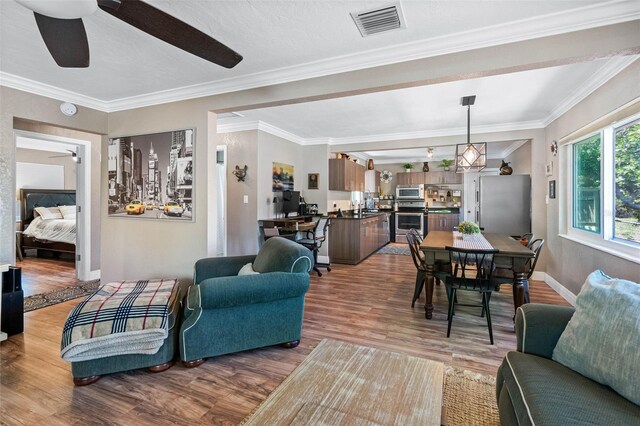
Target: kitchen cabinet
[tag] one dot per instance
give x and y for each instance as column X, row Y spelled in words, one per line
column 442, row 221
column 436, row 178
column 372, row 181
column 351, row 240
column 412, row 178
column 345, row 175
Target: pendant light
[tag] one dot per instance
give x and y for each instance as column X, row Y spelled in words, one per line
column 470, row 157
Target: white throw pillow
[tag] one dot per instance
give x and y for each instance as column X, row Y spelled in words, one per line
column 68, row 212
column 247, row 270
column 47, row 213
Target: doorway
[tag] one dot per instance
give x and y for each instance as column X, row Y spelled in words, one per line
column 43, row 163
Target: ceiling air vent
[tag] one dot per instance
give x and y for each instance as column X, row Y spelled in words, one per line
column 379, row 20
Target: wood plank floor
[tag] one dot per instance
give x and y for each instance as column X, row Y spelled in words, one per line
column 367, row 304
column 43, row 274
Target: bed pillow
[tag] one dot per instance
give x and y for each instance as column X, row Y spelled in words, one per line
column 602, row 338
column 247, row 270
column 68, row 212
column 47, row 213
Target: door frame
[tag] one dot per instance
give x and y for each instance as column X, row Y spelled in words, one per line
column 83, row 198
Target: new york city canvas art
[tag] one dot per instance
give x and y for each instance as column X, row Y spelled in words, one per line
column 151, row 176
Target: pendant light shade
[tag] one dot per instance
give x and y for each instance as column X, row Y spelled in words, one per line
column 470, row 157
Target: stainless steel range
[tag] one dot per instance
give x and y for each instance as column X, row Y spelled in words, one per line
column 410, row 215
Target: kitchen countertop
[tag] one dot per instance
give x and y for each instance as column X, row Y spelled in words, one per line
column 363, row 216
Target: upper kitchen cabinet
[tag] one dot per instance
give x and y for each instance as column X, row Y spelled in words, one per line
column 372, row 181
column 345, row 175
column 412, row 178
column 436, row 178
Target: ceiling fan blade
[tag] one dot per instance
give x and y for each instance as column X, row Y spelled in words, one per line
column 66, row 40
column 171, row 30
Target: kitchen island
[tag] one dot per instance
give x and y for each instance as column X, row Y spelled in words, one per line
column 353, row 238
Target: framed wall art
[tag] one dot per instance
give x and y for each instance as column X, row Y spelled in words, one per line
column 152, row 176
column 314, row 179
column 282, row 177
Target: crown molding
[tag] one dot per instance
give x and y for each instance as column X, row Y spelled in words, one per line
column 612, row 68
column 511, row 149
column 423, row 134
column 596, row 15
column 48, row 91
column 224, row 127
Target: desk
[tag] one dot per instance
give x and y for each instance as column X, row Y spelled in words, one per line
column 301, row 227
column 511, row 254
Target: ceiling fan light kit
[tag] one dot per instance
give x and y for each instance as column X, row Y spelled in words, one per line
column 470, row 157
column 61, row 27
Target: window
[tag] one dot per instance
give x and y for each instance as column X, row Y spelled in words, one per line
column 586, row 184
column 603, row 206
column 627, row 182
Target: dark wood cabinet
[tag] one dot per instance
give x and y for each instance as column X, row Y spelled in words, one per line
column 353, row 240
column 437, row 178
column 442, row 221
column 345, row 175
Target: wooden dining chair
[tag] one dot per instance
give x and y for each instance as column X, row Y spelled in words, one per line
column 415, row 239
column 504, row 275
column 472, row 271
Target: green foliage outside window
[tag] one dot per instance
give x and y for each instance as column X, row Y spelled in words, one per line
column 627, row 182
column 586, row 182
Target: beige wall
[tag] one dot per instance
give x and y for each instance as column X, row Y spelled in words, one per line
column 569, row 262
column 275, row 149
column 24, row 155
column 520, row 160
column 314, row 160
column 242, row 219
column 25, row 111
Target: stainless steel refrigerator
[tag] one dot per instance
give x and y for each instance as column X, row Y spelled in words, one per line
column 505, row 204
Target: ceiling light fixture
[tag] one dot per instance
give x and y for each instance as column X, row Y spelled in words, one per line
column 470, row 157
column 430, row 153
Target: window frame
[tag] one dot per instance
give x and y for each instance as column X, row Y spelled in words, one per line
column 605, row 240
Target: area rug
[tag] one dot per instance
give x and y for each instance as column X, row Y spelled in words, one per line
column 60, row 295
column 468, row 398
column 402, row 249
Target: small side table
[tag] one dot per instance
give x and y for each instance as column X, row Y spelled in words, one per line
column 18, row 245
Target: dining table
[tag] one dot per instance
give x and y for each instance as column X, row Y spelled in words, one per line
column 511, row 255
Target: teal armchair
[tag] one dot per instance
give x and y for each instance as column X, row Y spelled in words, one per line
column 226, row 313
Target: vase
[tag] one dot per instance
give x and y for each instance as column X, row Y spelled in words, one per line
column 370, row 164
column 425, row 166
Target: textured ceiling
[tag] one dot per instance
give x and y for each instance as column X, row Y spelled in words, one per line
column 271, row 35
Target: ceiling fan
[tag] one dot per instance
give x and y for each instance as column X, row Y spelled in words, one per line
column 61, row 27
column 73, row 154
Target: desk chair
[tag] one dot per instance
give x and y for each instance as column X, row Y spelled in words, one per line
column 470, row 278
column 313, row 241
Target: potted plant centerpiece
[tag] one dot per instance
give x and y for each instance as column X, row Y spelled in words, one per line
column 408, row 167
column 468, row 229
column 446, row 164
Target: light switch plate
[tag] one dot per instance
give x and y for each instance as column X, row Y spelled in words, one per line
column 245, row 199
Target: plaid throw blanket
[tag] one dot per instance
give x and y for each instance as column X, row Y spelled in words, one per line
column 129, row 317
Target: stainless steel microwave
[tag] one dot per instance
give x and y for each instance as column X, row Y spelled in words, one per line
column 410, row 192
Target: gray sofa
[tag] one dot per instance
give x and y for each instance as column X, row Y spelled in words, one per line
column 532, row 389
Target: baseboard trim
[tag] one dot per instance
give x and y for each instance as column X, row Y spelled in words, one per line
column 539, row 276
column 560, row 289
column 323, row 259
column 94, row 275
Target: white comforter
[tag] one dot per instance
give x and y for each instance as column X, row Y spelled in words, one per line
column 60, row 230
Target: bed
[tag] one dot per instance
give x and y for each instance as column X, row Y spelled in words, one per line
column 56, row 235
